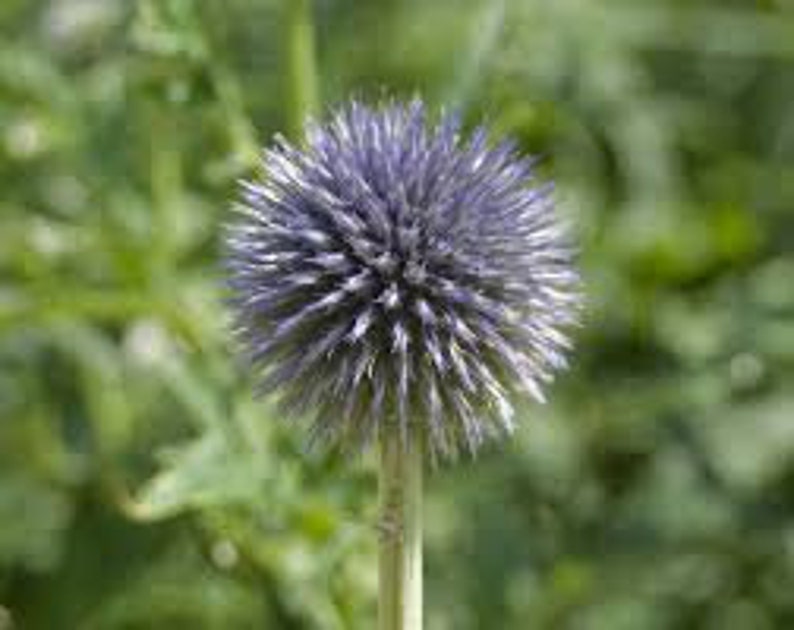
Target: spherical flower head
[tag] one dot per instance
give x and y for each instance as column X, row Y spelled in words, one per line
column 390, row 274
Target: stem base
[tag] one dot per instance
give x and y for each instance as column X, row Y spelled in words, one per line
column 400, row 535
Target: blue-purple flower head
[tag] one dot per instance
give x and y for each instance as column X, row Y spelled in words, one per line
column 391, row 274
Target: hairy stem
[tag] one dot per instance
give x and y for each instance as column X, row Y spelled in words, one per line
column 400, row 606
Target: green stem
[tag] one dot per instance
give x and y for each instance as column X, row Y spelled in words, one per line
column 401, row 534
column 302, row 71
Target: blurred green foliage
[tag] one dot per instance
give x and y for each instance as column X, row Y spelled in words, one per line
column 142, row 487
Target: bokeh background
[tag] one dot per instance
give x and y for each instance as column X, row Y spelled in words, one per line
column 141, row 486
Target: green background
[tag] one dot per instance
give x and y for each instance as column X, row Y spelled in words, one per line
column 141, row 486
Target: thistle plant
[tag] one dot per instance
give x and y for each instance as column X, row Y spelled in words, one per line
column 397, row 281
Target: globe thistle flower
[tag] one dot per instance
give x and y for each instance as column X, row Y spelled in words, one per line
column 392, row 272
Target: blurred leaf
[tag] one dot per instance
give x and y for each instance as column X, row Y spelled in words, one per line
column 34, row 517
column 207, row 473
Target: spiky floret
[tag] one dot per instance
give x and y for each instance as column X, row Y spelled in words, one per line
column 391, row 272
